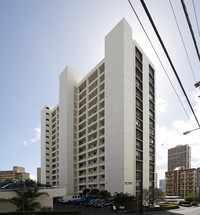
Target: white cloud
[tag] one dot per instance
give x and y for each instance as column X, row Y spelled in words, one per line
column 161, row 105
column 34, row 139
column 168, row 138
column 33, row 177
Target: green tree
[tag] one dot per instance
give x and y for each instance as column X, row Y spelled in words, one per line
column 8, row 180
column 25, row 200
column 104, row 194
column 124, row 198
column 86, row 191
column 30, row 183
column 191, row 198
column 155, row 194
column 93, row 193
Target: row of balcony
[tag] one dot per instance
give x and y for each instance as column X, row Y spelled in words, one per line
column 91, row 82
column 93, row 90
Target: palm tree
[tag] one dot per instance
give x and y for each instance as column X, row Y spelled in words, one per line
column 26, row 199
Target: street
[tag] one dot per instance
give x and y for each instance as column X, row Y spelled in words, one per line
column 108, row 211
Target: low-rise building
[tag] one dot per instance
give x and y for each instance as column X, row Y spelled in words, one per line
column 180, row 182
column 18, row 174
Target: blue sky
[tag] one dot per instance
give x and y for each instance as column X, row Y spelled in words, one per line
column 39, row 38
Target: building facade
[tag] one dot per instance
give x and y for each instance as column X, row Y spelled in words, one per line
column 39, row 175
column 17, row 174
column 179, row 156
column 102, row 133
column 180, row 182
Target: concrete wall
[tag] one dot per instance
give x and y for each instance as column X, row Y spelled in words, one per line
column 45, row 201
column 68, row 79
column 119, row 148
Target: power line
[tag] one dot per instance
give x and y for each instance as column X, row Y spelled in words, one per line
column 190, row 27
column 168, row 57
column 196, row 17
column 159, row 59
column 183, row 41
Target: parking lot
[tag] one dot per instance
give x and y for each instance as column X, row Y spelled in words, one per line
column 85, row 210
column 108, row 210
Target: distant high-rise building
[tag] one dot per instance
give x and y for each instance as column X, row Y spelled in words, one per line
column 162, row 184
column 179, row 156
column 102, row 133
column 18, row 174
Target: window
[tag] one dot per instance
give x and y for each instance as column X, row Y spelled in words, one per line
column 138, row 165
column 151, row 184
column 151, row 71
column 138, row 54
column 151, row 123
column 138, row 64
column 151, row 88
column 151, row 114
column 151, row 149
column 138, row 144
column 152, row 132
column 151, row 80
column 138, row 114
column 151, row 168
column 151, row 104
column 138, row 93
column 138, row 103
column 151, row 176
column 138, row 176
column 151, row 97
column 139, row 135
column 151, row 140
column 138, row 74
column 137, row 184
column 139, row 155
column 138, row 123
column 151, row 158
column 138, row 84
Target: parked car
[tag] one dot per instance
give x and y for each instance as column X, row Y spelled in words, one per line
column 67, row 199
column 81, row 201
column 87, row 204
column 96, row 203
column 91, row 202
column 14, row 186
column 105, row 202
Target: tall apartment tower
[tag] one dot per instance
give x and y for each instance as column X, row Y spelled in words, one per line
column 102, row 133
column 179, row 156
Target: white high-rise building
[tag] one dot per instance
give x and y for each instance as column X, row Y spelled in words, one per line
column 102, row 133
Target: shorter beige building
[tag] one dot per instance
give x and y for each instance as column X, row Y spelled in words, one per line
column 18, row 174
column 180, row 182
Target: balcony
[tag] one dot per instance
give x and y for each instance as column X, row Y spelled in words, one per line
column 93, row 77
column 92, row 103
column 92, row 95
column 102, row 78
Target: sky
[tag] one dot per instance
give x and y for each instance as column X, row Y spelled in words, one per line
column 38, row 39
